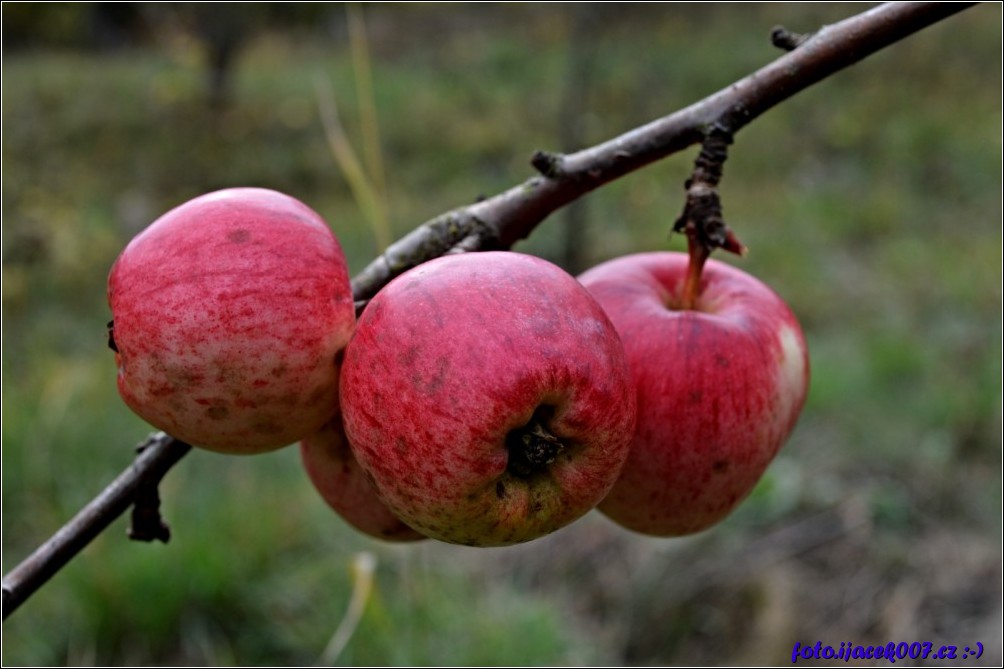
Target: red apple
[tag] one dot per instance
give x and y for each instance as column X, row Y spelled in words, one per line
column 346, row 487
column 229, row 311
column 720, row 387
column 488, row 397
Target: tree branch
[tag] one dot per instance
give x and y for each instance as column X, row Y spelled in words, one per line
column 156, row 456
column 504, row 219
column 513, row 214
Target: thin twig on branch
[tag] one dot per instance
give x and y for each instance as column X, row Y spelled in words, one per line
column 502, row 220
column 783, row 38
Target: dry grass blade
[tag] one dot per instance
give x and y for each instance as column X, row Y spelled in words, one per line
column 369, row 125
column 363, row 567
column 362, row 189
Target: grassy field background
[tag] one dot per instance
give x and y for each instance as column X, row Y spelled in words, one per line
column 871, row 202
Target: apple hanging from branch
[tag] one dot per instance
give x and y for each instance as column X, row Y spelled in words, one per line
column 488, row 397
column 719, row 362
column 720, row 385
column 228, row 313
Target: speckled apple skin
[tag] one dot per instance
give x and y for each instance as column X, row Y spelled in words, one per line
column 452, row 356
column 719, row 388
column 346, row 487
column 229, row 311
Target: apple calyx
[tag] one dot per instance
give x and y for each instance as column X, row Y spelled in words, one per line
column 532, row 447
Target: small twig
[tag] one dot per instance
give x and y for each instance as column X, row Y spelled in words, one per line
column 547, row 163
column 783, row 38
column 146, row 523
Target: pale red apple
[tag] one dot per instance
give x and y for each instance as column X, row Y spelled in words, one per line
column 488, row 397
column 720, row 387
column 346, row 487
column 228, row 313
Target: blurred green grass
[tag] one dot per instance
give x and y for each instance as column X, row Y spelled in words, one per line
column 871, row 202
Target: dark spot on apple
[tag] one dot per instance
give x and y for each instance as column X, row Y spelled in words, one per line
column 227, row 373
column 217, row 412
column 316, row 395
column 695, row 396
column 408, row 356
column 436, row 382
column 424, row 528
column 401, row 445
column 266, row 427
column 500, row 490
column 720, row 465
column 721, row 361
column 239, row 236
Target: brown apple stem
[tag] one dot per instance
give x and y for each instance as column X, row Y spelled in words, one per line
column 699, row 254
column 701, row 219
column 532, row 448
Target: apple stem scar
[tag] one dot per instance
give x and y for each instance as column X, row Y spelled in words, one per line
column 701, row 219
column 532, row 447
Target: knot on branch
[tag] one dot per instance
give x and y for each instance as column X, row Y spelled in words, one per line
column 702, row 219
column 785, row 39
column 547, row 163
column 480, row 237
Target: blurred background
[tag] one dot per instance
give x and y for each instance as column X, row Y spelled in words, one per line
column 871, row 202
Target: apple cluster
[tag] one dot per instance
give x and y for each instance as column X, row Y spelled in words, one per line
column 483, row 399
